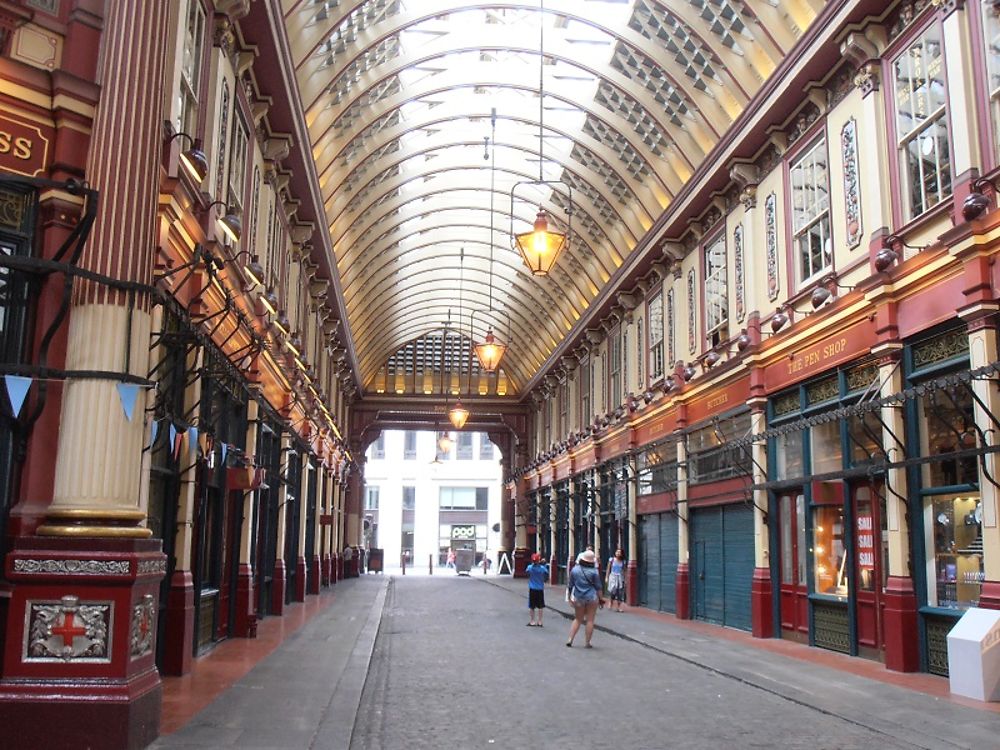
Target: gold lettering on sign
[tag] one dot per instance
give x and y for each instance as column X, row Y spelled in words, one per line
column 817, row 355
column 719, row 400
column 23, row 147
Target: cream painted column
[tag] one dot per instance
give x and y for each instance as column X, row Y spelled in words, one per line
column 683, row 582
column 890, row 375
column 250, row 449
column 279, row 550
column 983, row 351
column 762, row 539
column 571, row 550
column 98, row 460
column 632, row 571
column 186, row 498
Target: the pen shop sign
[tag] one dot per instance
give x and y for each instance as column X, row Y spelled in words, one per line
column 24, row 146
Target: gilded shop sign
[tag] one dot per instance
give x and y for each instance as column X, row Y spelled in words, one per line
column 829, row 352
column 24, row 146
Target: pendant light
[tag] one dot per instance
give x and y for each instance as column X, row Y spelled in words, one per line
column 458, row 415
column 490, row 351
column 541, row 247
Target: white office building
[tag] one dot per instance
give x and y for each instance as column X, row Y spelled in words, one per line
column 425, row 496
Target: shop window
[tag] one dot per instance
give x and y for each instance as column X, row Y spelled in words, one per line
column 955, row 572
column 810, row 197
column 793, row 540
column 713, row 456
column 825, row 447
column 922, row 144
column 655, row 312
column 829, row 552
column 788, row 462
column 189, row 95
column 716, row 291
column 586, row 378
column 656, row 468
column 463, row 498
column 947, row 417
column 864, row 437
column 990, row 12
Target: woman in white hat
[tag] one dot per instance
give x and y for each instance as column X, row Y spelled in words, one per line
column 585, row 593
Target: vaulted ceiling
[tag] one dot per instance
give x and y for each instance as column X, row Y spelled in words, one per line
column 424, row 118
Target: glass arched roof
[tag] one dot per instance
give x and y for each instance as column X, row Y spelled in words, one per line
column 400, row 97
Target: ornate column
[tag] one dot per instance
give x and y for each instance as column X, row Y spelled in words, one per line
column 325, row 526
column 683, row 582
column 245, row 621
column 761, row 590
column 305, row 466
column 902, row 652
column 79, row 667
column 632, row 571
column 280, row 578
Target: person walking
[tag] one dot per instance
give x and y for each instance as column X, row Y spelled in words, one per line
column 451, row 558
column 538, row 573
column 615, row 580
column 585, row 594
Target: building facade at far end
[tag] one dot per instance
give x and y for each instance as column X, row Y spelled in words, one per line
column 428, row 493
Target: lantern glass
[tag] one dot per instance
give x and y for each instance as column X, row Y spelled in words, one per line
column 490, row 352
column 458, row 415
column 540, row 247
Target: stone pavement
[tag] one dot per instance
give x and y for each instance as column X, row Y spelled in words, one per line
column 446, row 662
column 915, row 708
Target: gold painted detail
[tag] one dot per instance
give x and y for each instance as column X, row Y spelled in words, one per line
column 861, row 377
column 831, row 627
column 937, row 645
column 786, row 403
column 12, row 208
column 941, row 348
column 95, row 522
column 824, row 390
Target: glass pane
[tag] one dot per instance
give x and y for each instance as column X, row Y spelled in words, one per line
column 787, row 551
column 829, row 554
column 918, row 80
column 788, row 455
column 955, row 534
column 865, row 540
column 865, row 438
column 800, row 538
column 826, row 448
column 991, row 32
column 946, row 420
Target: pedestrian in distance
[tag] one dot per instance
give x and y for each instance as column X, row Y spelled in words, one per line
column 615, row 580
column 451, row 558
column 585, row 594
column 538, row 572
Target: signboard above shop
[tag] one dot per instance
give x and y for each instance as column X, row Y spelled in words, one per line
column 24, row 146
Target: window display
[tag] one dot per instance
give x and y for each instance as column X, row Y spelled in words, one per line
column 955, row 572
column 788, row 455
column 829, row 553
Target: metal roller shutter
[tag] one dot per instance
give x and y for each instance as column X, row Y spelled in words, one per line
column 649, row 561
column 737, row 521
column 668, row 562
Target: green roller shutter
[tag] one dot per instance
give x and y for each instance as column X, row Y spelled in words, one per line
column 668, row 562
column 737, row 523
column 649, row 561
column 722, row 565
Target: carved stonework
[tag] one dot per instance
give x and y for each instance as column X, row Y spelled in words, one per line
column 68, row 630
column 748, row 197
column 220, row 167
column 691, row 297
column 224, row 36
column 739, row 269
column 146, row 567
column 671, row 346
column 771, row 245
column 852, row 184
column 867, row 78
column 143, row 630
column 72, row 567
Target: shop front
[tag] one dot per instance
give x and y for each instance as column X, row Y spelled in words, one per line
column 614, row 509
column 658, row 553
column 562, row 530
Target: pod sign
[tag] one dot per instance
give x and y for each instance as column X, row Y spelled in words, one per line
column 24, row 148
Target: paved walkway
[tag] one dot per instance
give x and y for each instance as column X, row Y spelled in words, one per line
column 454, row 667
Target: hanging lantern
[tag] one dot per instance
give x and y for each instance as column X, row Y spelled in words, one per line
column 490, row 352
column 444, row 443
column 540, row 247
column 458, row 415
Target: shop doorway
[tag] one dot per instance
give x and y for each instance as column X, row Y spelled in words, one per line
column 870, row 548
column 794, row 586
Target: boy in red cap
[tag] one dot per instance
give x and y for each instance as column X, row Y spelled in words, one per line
column 538, row 572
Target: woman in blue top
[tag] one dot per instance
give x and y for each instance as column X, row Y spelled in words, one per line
column 616, row 580
column 537, row 573
column 585, row 593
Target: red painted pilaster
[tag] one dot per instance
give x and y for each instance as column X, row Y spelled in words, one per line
column 632, row 583
column 521, row 559
column 245, row 622
column 902, row 653
column 761, row 604
column 179, row 635
column 278, row 588
column 682, row 588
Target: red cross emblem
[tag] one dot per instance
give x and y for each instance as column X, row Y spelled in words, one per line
column 68, row 630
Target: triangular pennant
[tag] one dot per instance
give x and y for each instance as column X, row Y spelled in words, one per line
column 175, row 441
column 17, row 391
column 154, row 430
column 193, row 439
column 129, row 394
column 225, row 450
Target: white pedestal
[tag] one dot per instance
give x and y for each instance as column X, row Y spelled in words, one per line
column 974, row 655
